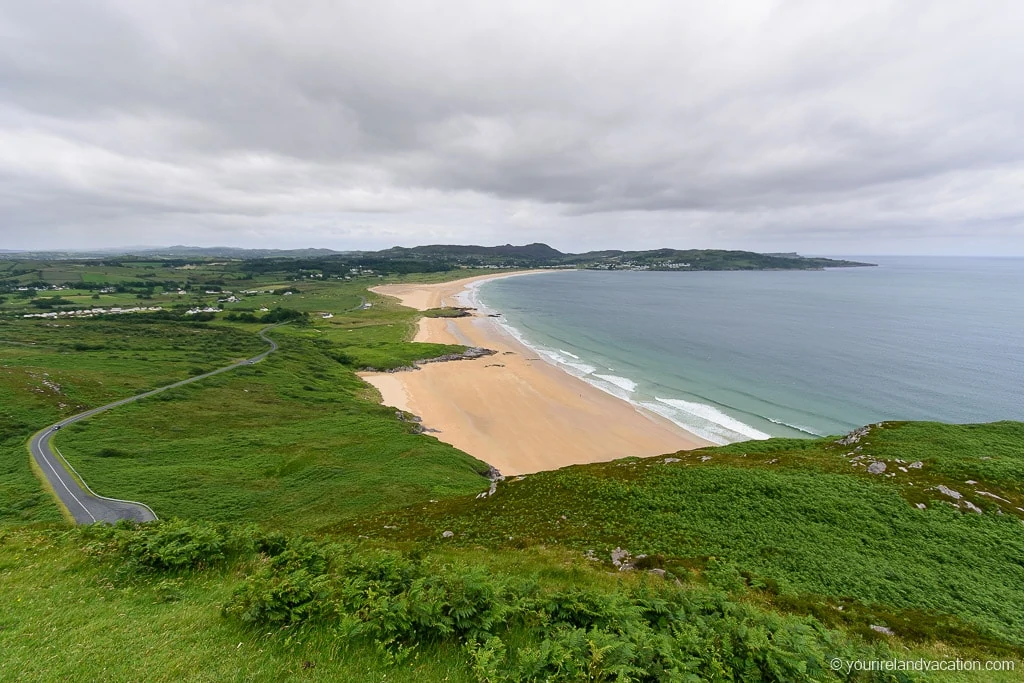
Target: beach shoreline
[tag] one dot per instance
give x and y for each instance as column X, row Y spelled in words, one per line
column 514, row 410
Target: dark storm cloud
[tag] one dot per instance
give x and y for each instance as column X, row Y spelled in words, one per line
column 584, row 124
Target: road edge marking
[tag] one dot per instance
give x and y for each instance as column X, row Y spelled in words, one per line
column 88, row 488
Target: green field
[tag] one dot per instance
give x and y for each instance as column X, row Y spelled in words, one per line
column 303, row 533
column 51, row 370
column 295, row 442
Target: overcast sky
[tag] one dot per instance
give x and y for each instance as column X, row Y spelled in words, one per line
column 864, row 127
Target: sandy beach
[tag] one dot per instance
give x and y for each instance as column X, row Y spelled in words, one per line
column 514, row 410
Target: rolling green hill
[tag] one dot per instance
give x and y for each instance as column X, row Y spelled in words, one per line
column 309, row 533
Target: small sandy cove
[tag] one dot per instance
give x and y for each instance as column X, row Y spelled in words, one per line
column 514, row 410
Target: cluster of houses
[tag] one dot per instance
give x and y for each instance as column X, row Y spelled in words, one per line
column 90, row 312
column 629, row 265
column 53, row 288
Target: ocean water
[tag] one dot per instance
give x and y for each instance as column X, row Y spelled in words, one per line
column 733, row 356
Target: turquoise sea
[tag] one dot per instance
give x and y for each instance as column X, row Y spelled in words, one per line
column 732, row 356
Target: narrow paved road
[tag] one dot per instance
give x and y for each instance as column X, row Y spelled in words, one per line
column 84, row 505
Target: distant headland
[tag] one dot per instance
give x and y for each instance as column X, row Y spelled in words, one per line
column 449, row 256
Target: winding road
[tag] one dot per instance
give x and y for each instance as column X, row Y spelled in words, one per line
column 84, row 505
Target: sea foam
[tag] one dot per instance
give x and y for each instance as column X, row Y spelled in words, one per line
column 621, row 382
column 704, row 420
column 799, row 428
column 697, row 418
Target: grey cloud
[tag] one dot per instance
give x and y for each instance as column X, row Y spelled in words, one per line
column 584, row 124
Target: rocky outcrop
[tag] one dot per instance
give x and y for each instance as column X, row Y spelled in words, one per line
column 495, row 476
column 621, row 559
column 471, row 353
column 972, row 507
column 877, row 467
column 854, row 437
column 416, row 421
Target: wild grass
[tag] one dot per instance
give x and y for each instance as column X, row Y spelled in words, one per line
column 802, row 539
column 72, row 616
column 799, row 523
column 197, row 601
column 50, row 370
column 295, row 442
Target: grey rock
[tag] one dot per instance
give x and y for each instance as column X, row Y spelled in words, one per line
column 621, row 559
column 972, row 507
column 658, row 572
column 495, row 476
column 471, row 353
column 669, row 460
column 916, row 465
column 882, row 629
column 991, row 495
column 946, row 491
column 854, row 436
column 705, row 458
column 921, row 506
column 876, row 467
column 448, row 534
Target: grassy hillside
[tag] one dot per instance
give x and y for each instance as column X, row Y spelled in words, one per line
column 50, row 370
column 796, row 520
column 756, row 561
column 175, row 601
column 297, row 441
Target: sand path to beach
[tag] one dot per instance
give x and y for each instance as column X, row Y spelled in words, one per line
column 514, row 410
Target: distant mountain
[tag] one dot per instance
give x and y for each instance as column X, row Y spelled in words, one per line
column 434, row 257
column 704, row 259
column 536, row 251
column 179, row 251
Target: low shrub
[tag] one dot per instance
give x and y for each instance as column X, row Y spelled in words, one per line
column 176, row 545
column 511, row 629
